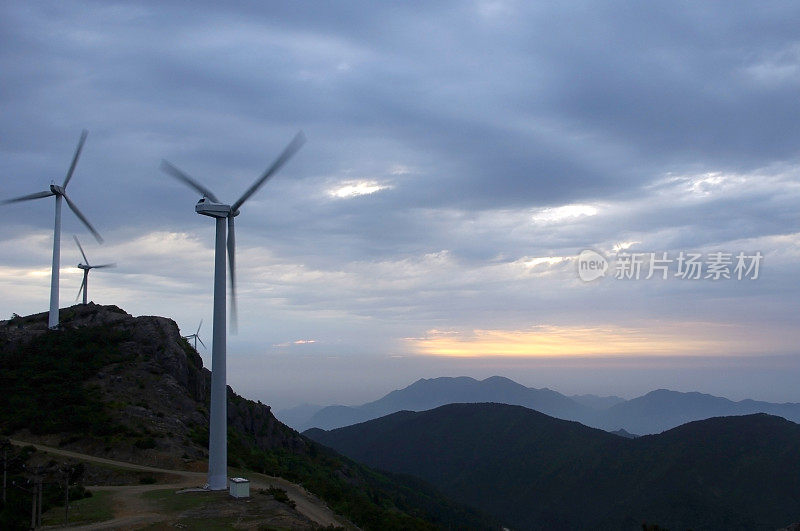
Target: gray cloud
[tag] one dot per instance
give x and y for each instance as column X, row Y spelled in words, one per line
column 677, row 123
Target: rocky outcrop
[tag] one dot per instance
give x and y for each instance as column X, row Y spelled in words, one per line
column 159, row 390
column 257, row 421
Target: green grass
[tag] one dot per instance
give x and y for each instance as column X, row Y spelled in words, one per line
column 171, row 502
column 85, row 511
column 206, row 524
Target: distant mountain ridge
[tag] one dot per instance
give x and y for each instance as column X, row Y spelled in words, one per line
column 597, row 402
column 297, row 415
column 654, row 412
column 430, row 393
column 664, row 409
column 533, row 471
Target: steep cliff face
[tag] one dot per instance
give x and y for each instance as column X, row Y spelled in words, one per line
column 153, row 387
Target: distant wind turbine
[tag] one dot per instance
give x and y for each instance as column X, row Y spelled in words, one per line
column 210, row 206
column 86, row 268
column 196, row 336
column 59, row 192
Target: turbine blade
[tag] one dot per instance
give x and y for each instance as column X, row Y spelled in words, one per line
column 178, row 174
column 83, row 219
column 29, row 197
column 296, row 143
column 75, row 158
column 201, row 342
column 83, row 285
column 113, row 264
column 232, row 264
column 85, row 260
column 198, row 326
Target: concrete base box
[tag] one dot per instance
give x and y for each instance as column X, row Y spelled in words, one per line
column 240, row 488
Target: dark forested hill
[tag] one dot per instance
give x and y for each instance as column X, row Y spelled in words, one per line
column 537, row 472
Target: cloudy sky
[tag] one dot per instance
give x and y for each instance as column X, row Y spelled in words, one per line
column 460, row 156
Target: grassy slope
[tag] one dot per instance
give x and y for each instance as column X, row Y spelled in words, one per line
column 96, row 508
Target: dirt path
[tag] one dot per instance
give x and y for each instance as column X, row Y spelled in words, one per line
column 131, row 509
column 104, row 461
column 307, row 504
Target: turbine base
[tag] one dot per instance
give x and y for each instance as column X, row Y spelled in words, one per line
column 217, row 483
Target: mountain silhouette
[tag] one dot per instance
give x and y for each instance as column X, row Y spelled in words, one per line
column 431, row 393
column 652, row 413
column 663, row 409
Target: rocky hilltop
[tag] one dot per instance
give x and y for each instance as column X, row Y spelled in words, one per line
column 155, row 387
column 131, row 388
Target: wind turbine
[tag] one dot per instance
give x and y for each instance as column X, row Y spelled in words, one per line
column 59, row 192
column 196, row 336
column 210, row 206
column 86, row 268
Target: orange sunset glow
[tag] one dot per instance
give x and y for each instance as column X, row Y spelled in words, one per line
column 562, row 341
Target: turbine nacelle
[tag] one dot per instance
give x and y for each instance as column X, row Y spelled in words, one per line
column 207, row 207
column 57, row 190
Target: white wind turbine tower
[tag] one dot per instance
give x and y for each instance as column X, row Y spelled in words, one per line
column 196, row 336
column 59, row 192
column 86, row 268
column 210, row 206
